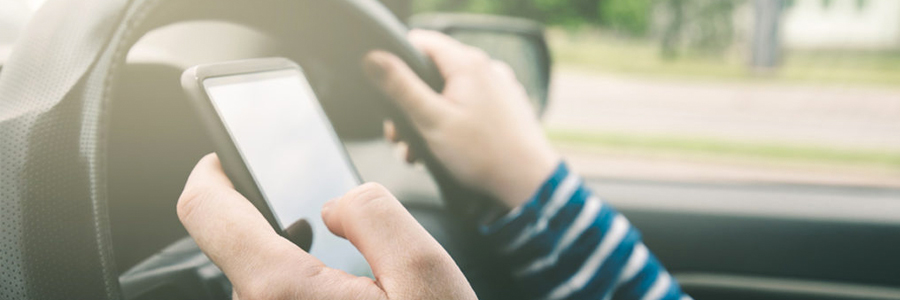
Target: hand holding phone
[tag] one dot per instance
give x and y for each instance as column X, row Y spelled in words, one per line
column 407, row 262
column 277, row 146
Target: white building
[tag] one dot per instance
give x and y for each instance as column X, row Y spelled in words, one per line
column 842, row 24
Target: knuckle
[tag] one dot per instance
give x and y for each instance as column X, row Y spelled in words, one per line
column 189, row 201
column 479, row 56
column 370, row 191
column 368, row 197
column 318, row 271
column 374, row 189
column 482, row 62
column 474, row 59
column 209, row 158
column 503, row 68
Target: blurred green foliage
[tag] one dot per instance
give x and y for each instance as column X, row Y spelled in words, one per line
column 698, row 27
column 711, row 19
column 632, row 17
column 627, row 16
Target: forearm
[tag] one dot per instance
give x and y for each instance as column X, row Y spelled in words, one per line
column 567, row 243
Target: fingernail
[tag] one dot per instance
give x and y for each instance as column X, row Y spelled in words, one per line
column 326, row 208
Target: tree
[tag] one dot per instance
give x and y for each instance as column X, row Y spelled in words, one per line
column 628, row 16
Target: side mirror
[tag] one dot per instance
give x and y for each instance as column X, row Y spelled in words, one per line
column 517, row 42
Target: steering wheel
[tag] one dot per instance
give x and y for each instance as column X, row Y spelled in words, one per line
column 55, row 98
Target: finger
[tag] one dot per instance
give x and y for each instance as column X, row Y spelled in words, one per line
column 405, row 152
column 410, row 155
column 229, row 229
column 503, row 69
column 259, row 263
column 397, row 248
column 390, row 132
column 448, row 54
column 401, row 84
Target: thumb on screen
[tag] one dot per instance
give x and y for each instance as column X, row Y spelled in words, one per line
column 399, row 250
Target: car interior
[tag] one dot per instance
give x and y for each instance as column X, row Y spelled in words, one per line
column 101, row 159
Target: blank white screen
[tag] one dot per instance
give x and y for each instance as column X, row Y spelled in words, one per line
column 292, row 152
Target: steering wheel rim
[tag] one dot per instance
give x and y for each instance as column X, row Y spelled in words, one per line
column 55, row 90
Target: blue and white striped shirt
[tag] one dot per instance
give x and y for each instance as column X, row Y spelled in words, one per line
column 565, row 243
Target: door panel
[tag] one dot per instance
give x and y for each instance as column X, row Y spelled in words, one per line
column 767, row 237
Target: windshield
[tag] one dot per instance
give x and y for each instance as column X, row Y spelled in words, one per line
column 777, row 91
column 765, row 91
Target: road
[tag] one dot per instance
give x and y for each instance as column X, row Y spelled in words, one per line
column 839, row 117
column 830, row 116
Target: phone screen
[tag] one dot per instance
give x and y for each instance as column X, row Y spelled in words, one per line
column 292, row 152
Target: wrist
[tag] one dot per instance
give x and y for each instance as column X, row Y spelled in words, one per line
column 517, row 183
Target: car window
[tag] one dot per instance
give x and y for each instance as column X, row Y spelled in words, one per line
column 769, row 91
column 772, row 91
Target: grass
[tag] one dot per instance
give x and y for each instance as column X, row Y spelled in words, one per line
column 594, row 50
column 707, row 147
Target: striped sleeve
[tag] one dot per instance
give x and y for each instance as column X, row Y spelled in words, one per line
column 565, row 243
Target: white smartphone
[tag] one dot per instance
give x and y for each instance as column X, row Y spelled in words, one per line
column 277, row 146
